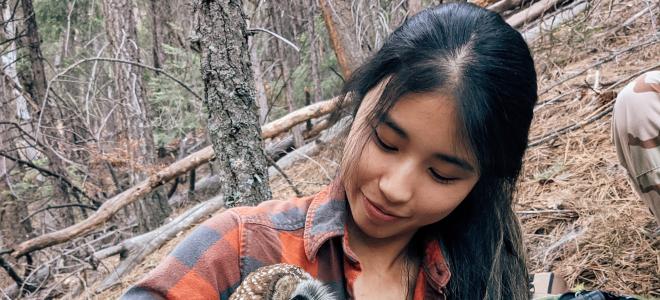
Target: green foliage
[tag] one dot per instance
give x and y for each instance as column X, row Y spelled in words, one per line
column 53, row 17
column 175, row 111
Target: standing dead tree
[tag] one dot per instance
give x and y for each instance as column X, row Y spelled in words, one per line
column 338, row 19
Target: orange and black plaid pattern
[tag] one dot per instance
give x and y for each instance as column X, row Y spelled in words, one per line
column 309, row 232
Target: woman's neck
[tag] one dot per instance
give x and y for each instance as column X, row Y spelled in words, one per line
column 378, row 254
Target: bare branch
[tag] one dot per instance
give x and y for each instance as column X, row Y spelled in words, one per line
column 108, row 59
column 277, row 36
column 60, row 206
column 49, row 173
column 111, row 206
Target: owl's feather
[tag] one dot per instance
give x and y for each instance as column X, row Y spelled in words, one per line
column 281, row 282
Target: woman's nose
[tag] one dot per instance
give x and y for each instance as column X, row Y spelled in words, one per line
column 397, row 182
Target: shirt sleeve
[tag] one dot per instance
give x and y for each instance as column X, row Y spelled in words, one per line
column 205, row 265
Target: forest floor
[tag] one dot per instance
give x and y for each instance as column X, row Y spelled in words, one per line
column 587, row 224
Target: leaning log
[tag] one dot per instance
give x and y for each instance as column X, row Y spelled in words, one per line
column 504, row 5
column 312, row 148
column 135, row 249
column 111, row 206
column 553, row 22
column 531, row 13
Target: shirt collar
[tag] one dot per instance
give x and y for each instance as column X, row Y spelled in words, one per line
column 326, row 218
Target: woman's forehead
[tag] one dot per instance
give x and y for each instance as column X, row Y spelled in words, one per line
column 430, row 122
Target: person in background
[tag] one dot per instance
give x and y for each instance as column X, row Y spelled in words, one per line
column 636, row 135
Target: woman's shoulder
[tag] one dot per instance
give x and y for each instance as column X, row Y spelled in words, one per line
column 288, row 214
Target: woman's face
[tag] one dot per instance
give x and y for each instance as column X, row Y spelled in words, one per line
column 413, row 170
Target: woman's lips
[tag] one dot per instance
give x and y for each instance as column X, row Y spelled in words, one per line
column 376, row 213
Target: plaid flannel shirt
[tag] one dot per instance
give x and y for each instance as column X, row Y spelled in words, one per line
column 309, row 232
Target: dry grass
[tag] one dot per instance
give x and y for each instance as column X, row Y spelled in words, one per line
column 597, row 234
column 587, row 224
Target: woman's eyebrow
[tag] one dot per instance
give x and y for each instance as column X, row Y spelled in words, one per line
column 461, row 163
column 387, row 120
column 454, row 161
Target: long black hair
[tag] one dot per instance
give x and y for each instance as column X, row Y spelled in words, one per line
column 472, row 55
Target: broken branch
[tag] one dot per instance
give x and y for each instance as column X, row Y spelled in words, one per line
column 111, row 206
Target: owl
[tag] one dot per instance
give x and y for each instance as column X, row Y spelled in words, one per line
column 281, row 282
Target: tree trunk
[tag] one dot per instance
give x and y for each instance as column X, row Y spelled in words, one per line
column 262, row 101
column 339, row 22
column 254, row 44
column 157, row 33
column 38, row 77
column 233, row 123
column 35, row 90
column 12, row 210
column 14, row 227
column 285, row 60
column 135, row 130
column 314, row 52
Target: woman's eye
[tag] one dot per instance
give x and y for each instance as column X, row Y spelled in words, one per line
column 382, row 144
column 439, row 178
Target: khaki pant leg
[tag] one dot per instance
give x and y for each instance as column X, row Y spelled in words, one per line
column 636, row 135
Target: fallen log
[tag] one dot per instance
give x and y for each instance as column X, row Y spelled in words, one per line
column 111, row 206
column 205, row 188
column 301, row 115
column 312, row 148
column 482, row 3
column 552, row 22
column 531, row 13
column 279, row 148
column 504, row 5
column 208, row 186
column 134, row 250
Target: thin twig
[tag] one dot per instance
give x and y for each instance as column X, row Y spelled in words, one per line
column 252, row 30
column 49, row 173
column 288, row 180
column 90, row 207
column 650, row 41
column 108, row 59
column 547, row 211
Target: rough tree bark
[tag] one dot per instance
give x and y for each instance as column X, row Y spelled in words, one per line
column 38, row 76
column 233, row 123
column 14, row 226
column 135, row 131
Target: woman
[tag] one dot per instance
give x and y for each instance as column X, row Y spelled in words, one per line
column 421, row 208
